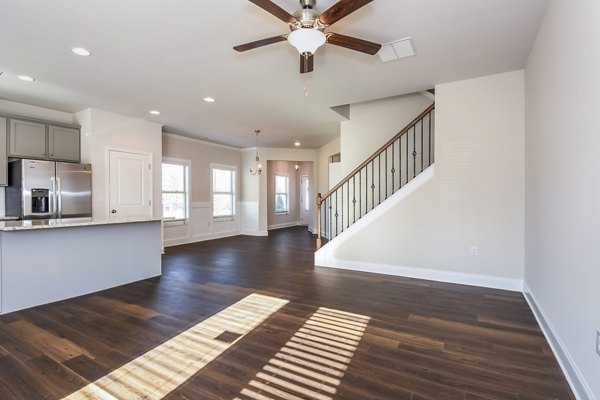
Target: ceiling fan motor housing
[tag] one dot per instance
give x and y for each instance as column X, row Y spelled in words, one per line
column 306, row 18
column 308, row 3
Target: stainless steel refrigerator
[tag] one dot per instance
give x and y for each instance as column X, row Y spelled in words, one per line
column 48, row 190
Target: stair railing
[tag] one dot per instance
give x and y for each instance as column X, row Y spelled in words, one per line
column 389, row 169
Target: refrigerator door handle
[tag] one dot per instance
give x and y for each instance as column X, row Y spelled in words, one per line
column 53, row 196
column 59, row 196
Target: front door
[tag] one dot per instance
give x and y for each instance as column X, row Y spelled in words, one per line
column 130, row 184
column 305, row 200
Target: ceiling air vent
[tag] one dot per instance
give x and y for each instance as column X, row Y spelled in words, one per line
column 396, row 50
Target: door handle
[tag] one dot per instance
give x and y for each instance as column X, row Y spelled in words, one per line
column 113, row 211
column 53, row 209
column 59, row 196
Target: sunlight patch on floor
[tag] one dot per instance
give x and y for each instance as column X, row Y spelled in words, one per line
column 156, row 373
column 313, row 362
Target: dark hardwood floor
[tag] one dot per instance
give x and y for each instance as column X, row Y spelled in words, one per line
column 424, row 340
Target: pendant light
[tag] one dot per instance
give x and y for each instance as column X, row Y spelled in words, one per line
column 258, row 167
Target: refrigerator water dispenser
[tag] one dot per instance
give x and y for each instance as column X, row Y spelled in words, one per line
column 40, row 201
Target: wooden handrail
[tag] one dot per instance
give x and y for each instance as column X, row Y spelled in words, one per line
column 378, row 152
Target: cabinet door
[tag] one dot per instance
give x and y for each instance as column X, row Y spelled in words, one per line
column 3, row 158
column 27, row 139
column 63, row 143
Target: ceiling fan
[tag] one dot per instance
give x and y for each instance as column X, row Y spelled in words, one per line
column 308, row 30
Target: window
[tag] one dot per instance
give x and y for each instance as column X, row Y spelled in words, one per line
column 175, row 189
column 282, row 190
column 223, row 189
column 306, row 195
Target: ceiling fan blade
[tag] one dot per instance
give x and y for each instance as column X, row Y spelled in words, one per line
column 275, row 10
column 352, row 43
column 307, row 64
column 341, row 9
column 260, row 43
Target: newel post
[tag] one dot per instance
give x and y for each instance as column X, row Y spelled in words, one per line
column 319, row 201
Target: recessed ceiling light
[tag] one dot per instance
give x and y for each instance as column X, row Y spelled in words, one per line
column 155, row 112
column 297, row 144
column 80, row 51
column 209, row 99
column 26, row 78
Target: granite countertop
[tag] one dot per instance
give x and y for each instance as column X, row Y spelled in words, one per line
column 8, row 226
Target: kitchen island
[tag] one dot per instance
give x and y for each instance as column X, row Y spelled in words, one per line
column 42, row 261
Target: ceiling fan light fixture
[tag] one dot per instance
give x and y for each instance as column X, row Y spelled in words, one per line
column 307, row 40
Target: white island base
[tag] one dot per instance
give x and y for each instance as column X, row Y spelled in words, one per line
column 43, row 262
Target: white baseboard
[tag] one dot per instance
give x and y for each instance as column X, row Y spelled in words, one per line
column 576, row 380
column 199, row 238
column 284, row 225
column 255, row 233
column 493, row 282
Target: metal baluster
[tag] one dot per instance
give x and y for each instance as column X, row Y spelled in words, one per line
column 341, row 189
column 348, row 205
column 393, row 170
column 407, row 157
column 422, row 122
column 414, row 151
column 336, row 213
column 400, row 162
column 354, row 199
column 429, row 142
column 330, row 218
column 386, row 174
column 379, row 173
column 366, row 188
column 372, row 184
column 359, row 194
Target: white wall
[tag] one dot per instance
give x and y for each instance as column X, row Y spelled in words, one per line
column 562, row 254
column 477, row 194
column 201, row 225
column 323, row 154
column 373, row 123
column 101, row 130
column 250, row 210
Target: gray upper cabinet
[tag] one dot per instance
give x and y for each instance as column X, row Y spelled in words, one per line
column 27, row 139
column 3, row 158
column 41, row 140
column 63, row 143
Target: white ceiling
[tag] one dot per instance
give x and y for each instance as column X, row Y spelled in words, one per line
column 169, row 54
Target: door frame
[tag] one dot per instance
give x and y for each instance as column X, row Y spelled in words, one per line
column 107, row 150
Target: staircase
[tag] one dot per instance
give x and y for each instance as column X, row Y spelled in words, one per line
column 388, row 170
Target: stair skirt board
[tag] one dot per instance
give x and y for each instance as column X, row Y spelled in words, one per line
column 487, row 281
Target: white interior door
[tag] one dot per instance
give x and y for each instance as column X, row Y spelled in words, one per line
column 130, row 184
column 305, row 200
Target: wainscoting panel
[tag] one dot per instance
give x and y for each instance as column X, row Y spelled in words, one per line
column 200, row 226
